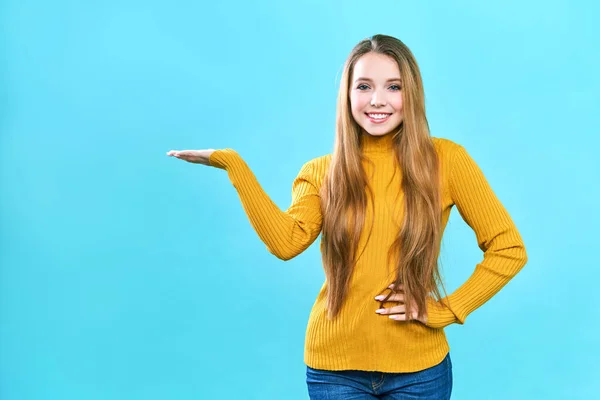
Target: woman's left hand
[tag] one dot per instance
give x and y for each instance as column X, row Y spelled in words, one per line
column 193, row 156
column 399, row 312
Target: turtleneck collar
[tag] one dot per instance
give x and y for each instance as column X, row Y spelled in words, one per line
column 375, row 146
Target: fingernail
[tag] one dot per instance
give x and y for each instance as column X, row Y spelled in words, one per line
column 378, row 297
column 379, row 311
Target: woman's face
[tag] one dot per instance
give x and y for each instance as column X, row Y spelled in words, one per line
column 375, row 92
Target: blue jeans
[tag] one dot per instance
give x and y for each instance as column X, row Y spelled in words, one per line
column 434, row 383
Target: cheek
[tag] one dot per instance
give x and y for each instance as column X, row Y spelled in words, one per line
column 358, row 102
column 396, row 103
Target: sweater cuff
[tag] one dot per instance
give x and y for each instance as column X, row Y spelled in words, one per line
column 222, row 158
column 438, row 315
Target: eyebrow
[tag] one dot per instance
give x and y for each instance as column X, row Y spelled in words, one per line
column 369, row 80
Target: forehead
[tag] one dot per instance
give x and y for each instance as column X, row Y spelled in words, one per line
column 375, row 66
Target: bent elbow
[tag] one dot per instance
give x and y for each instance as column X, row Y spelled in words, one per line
column 519, row 259
column 285, row 250
column 282, row 254
column 524, row 257
column 286, row 257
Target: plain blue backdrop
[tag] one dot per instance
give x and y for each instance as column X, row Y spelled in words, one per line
column 127, row 274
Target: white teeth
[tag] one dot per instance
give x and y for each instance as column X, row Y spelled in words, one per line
column 378, row 116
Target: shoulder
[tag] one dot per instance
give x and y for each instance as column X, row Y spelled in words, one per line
column 445, row 146
column 315, row 169
column 318, row 162
column 447, row 150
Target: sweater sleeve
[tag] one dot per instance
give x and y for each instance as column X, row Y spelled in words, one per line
column 285, row 233
column 504, row 253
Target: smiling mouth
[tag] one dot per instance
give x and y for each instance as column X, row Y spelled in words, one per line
column 378, row 117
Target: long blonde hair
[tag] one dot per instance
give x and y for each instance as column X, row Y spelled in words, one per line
column 343, row 198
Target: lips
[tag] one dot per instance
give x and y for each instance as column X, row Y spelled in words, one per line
column 378, row 120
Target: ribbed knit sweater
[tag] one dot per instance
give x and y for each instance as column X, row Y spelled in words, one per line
column 358, row 338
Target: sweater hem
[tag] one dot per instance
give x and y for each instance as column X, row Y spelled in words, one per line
column 415, row 365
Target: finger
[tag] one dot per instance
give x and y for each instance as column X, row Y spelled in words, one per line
column 177, row 154
column 398, row 317
column 391, row 310
column 194, row 153
column 393, row 297
column 404, row 317
column 393, row 286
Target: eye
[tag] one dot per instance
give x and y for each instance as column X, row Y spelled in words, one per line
column 359, row 86
column 396, row 86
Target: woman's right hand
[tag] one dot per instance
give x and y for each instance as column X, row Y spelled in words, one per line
column 193, row 156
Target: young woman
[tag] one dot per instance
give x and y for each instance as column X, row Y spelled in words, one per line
column 381, row 201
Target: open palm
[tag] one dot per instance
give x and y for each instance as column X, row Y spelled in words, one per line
column 193, row 156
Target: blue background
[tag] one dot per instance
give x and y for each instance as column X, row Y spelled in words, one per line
column 127, row 274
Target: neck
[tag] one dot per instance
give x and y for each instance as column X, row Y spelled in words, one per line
column 377, row 145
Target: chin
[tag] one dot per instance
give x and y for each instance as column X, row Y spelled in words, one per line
column 381, row 132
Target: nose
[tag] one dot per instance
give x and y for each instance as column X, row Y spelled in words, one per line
column 377, row 99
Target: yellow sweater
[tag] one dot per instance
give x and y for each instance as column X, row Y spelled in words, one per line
column 359, row 338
